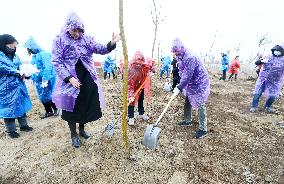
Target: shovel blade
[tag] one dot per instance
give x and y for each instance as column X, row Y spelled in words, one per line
column 151, row 136
column 109, row 129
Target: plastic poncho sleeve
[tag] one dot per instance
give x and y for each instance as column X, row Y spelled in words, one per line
column 47, row 73
column 57, row 60
column 187, row 74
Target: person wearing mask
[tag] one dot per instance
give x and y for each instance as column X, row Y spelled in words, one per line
column 14, row 98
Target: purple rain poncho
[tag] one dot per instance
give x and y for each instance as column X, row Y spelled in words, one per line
column 271, row 75
column 66, row 51
column 194, row 77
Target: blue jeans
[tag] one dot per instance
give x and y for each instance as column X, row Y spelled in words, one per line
column 257, row 96
column 11, row 125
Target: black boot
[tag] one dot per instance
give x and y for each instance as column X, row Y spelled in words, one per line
column 26, row 128
column 82, row 131
column 55, row 110
column 13, row 134
column 48, row 110
column 74, row 136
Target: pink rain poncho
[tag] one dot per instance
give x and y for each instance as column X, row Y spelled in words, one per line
column 138, row 72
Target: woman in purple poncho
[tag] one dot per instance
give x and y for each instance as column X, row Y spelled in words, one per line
column 270, row 80
column 77, row 91
column 194, row 83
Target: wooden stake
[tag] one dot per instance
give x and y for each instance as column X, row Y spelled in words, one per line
column 125, row 79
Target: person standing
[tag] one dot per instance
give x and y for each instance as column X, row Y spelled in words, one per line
column 45, row 79
column 138, row 73
column 224, row 66
column 14, row 98
column 270, row 80
column 195, row 85
column 78, row 92
column 234, row 68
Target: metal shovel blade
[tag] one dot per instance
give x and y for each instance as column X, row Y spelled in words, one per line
column 109, row 129
column 151, row 136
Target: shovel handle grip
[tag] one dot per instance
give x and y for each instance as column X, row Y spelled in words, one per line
column 165, row 109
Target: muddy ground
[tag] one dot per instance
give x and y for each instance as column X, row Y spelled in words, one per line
column 241, row 147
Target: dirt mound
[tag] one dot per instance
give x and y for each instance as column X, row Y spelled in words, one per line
column 241, row 147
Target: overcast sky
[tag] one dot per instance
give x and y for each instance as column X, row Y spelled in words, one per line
column 195, row 22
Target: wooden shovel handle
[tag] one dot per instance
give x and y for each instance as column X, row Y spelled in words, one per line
column 164, row 111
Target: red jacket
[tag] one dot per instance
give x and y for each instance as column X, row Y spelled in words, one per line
column 235, row 66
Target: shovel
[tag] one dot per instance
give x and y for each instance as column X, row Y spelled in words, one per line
column 152, row 132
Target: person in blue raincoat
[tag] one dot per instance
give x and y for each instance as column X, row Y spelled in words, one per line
column 109, row 65
column 224, row 66
column 166, row 61
column 45, row 79
column 14, row 97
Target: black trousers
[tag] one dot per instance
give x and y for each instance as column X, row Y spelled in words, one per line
column 236, row 76
column 140, row 106
column 48, row 106
column 105, row 75
column 223, row 75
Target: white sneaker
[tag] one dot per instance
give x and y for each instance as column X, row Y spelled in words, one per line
column 144, row 117
column 131, row 121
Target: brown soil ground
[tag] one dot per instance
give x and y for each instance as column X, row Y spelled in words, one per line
column 241, row 147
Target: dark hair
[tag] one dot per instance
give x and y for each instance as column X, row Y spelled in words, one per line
column 4, row 40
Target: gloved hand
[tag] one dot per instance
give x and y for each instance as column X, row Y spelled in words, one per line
column 131, row 99
column 151, row 74
column 277, row 53
column 176, row 91
column 44, row 84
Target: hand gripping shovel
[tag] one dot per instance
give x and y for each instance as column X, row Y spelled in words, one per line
column 152, row 132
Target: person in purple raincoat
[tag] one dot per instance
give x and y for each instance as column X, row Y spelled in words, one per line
column 270, row 80
column 194, row 83
column 77, row 90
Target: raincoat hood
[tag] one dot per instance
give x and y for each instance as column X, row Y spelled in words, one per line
column 73, row 21
column 32, row 45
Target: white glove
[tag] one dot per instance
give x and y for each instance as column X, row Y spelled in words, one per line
column 176, row 91
column 151, row 74
column 131, row 99
column 44, row 84
column 277, row 53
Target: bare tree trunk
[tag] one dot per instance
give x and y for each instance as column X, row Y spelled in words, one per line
column 125, row 79
column 154, row 42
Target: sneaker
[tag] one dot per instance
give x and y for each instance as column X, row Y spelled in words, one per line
column 46, row 115
column 252, row 109
column 85, row 135
column 185, row 123
column 13, row 134
column 76, row 142
column 144, row 117
column 26, row 128
column 270, row 110
column 200, row 134
column 131, row 121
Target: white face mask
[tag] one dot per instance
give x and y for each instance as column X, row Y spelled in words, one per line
column 277, row 53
